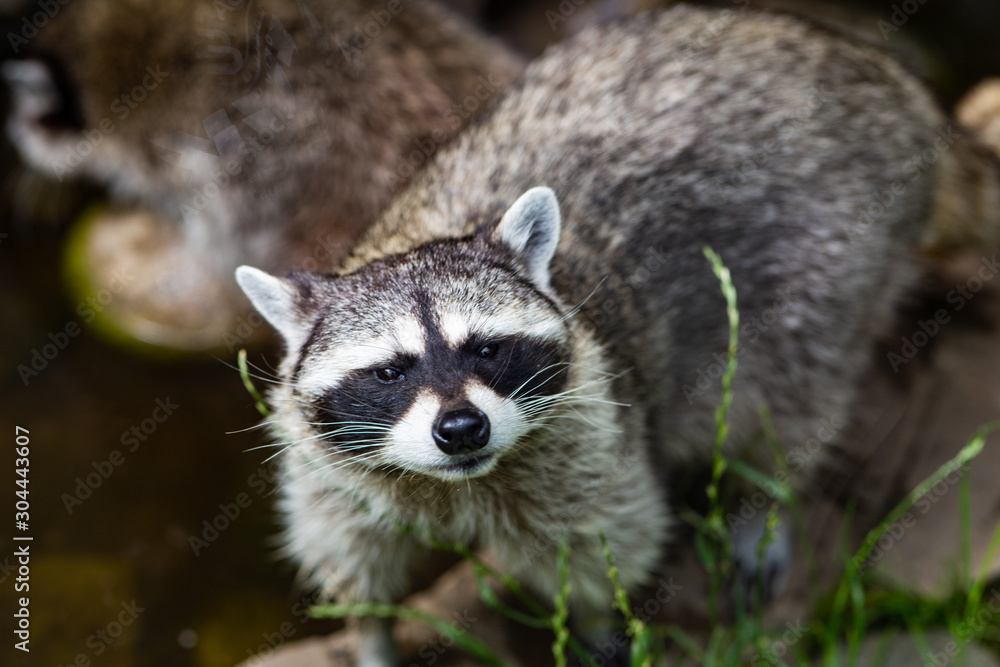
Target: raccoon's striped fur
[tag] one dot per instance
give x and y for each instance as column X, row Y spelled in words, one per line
column 529, row 337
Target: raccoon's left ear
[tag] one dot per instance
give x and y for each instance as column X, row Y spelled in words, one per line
column 531, row 229
column 278, row 300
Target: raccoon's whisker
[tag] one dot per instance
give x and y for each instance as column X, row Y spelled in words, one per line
column 567, row 394
column 361, row 403
column 263, row 424
column 578, row 416
column 266, row 372
column 262, row 378
column 539, row 404
column 499, row 372
column 349, row 423
column 341, row 462
column 515, row 393
column 360, row 428
column 280, row 444
column 576, row 309
column 286, row 445
column 326, row 470
column 357, row 444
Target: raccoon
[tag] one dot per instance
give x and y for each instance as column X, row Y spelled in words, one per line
column 268, row 132
column 521, row 349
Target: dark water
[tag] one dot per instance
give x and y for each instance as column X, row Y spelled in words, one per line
column 131, row 456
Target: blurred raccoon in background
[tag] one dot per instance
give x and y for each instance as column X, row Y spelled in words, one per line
column 241, row 131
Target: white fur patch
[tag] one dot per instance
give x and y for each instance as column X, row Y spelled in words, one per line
column 454, row 327
column 503, row 321
column 507, row 424
column 410, row 444
column 404, row 335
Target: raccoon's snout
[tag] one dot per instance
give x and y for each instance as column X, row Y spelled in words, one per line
column 462, row 430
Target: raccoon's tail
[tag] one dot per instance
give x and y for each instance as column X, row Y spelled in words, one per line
column 967, row 201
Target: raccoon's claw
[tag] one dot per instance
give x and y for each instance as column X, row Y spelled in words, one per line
column 760, row 577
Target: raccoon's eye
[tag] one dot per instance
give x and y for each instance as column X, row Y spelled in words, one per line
column 487, row 351
column 388, row 375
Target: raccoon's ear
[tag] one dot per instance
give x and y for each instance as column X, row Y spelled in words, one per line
column 277, row 300
column 531, row 229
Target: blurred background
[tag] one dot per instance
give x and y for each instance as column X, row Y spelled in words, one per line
column 151, row 509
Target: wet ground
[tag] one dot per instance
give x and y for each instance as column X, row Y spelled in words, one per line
column 150, row 512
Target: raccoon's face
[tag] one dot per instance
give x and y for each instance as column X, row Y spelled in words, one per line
column 438, row 361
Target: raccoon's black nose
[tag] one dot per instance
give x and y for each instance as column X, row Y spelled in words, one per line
column 463, row 430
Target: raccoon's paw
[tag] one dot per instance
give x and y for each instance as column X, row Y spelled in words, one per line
column 760, row 577
column 377, row 647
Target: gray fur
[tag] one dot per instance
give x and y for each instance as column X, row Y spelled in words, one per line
column 641, row 131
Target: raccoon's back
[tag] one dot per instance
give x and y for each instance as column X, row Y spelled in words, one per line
column 754, row 134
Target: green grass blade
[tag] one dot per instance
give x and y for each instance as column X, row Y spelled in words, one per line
column 561, row 615
column 969, row 452
column 965, row 523
column 258, row 400
column 780, row 491
column 472, row 645
column 722, row 412
column 979, row 585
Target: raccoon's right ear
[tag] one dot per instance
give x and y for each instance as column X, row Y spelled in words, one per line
column 278, row 300
column 531, row 227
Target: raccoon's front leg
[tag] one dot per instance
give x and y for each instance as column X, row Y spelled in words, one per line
column 636, row 537
column 355, row 556
column 376, row 645
column 592, row 616
column 375, row 565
